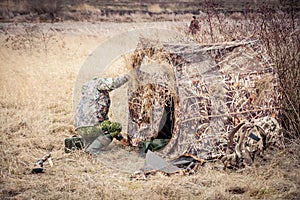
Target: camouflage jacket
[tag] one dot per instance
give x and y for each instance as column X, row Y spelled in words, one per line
column 194, row 26
column 94, row 103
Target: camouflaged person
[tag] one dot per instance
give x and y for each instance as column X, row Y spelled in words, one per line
column 194, row 26
column 91, row 120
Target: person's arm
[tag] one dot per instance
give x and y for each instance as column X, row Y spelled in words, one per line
column 110, row 84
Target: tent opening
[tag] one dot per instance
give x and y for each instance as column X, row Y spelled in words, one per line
column 167, row 122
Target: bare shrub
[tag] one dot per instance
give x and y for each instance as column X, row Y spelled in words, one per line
column 209, row 7
column 280, row 36
column 31, row 38
column 44, row 6
column 278, row 31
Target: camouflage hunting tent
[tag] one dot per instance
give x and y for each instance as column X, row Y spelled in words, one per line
column 195, row 94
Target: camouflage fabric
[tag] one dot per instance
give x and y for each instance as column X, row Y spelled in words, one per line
column 215, row 87
column 113, row 128
column 73, row 143
column 94, row 104
column 99, row 144
column 154, row 145
column 147, row 102
column 250, row 139
column 91, row 133
column 194, row 26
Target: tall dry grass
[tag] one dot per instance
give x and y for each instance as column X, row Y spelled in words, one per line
column 36, row 116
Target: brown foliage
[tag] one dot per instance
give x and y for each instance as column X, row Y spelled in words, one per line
column 279, row 34
column 277, row 29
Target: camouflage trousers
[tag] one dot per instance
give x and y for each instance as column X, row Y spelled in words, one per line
column 90, row 133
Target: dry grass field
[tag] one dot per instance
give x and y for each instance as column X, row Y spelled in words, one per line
column 38, row 68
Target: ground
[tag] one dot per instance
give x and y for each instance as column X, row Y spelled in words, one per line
column 39, row 64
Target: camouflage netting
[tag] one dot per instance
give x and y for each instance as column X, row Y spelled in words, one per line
column 200, row 93
column 196, row 96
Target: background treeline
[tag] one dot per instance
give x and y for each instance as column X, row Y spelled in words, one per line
column 78, row 10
